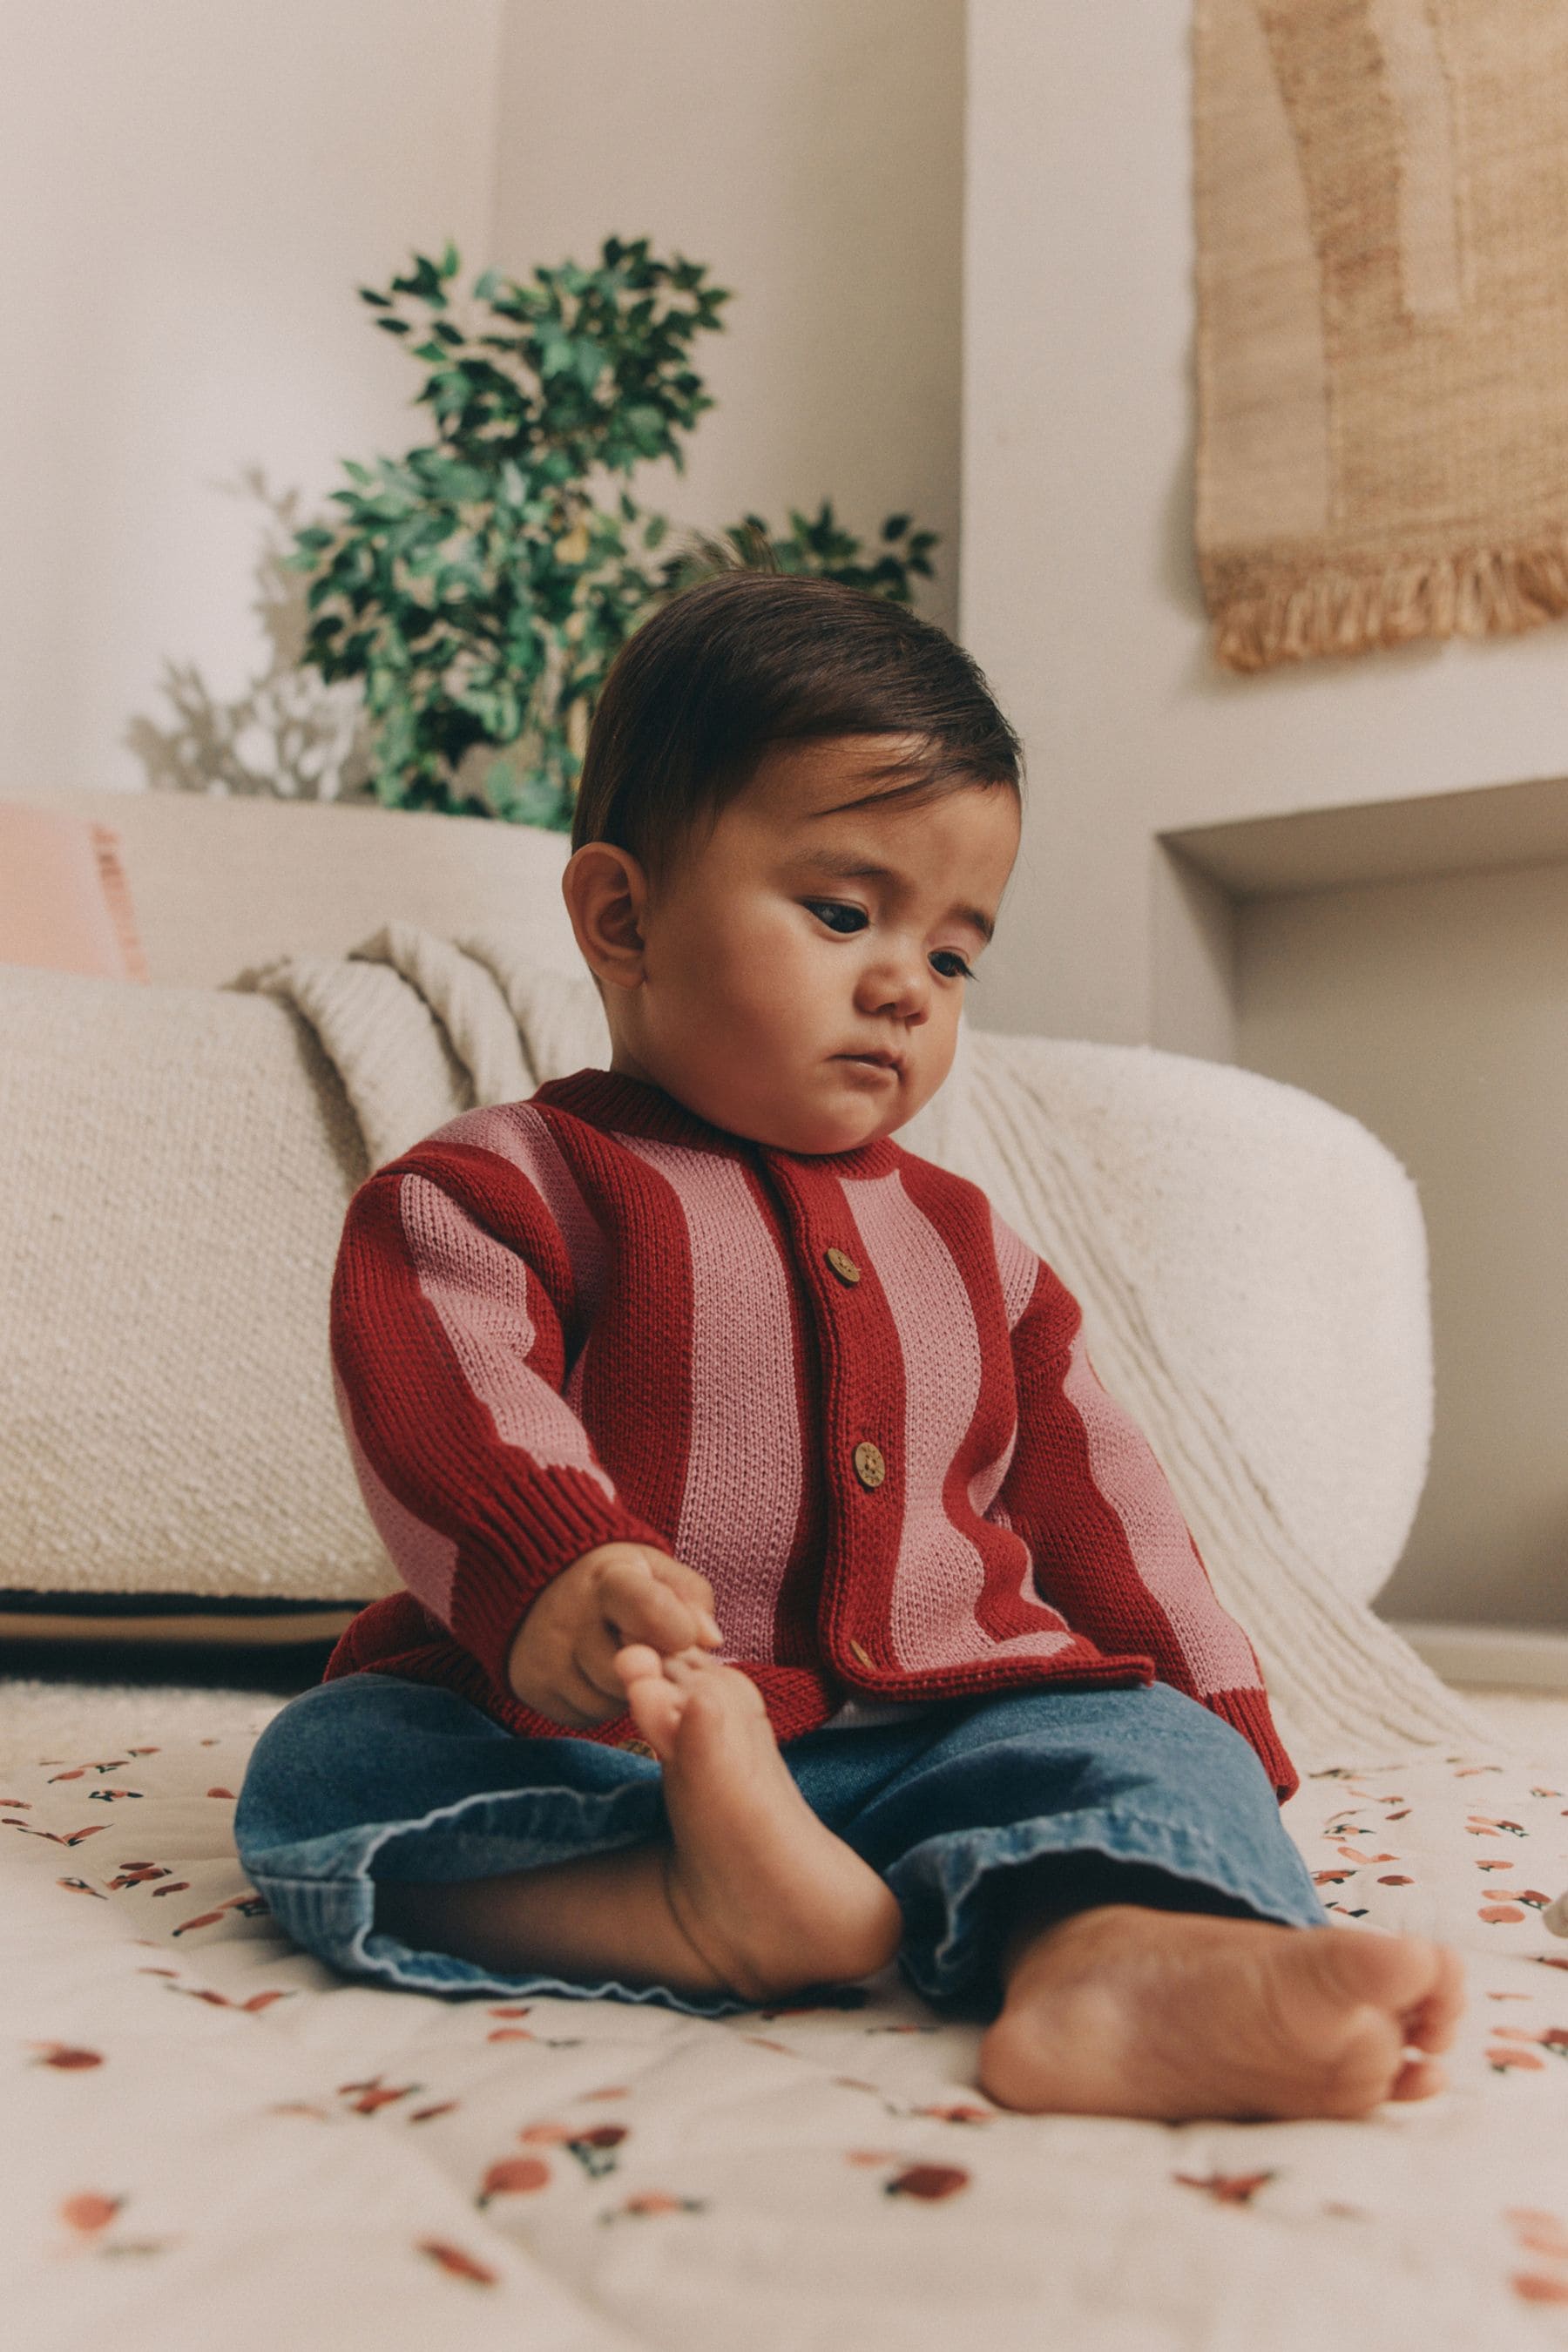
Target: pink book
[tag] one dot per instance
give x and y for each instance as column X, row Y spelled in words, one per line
column 65, row 904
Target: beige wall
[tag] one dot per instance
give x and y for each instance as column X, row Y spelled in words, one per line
column 1437, row 1011
column 1080, row 589
column 811, row 152
column 190, row 191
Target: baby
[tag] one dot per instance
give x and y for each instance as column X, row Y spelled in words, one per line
column 785, row 1593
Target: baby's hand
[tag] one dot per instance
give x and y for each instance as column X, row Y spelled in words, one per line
column 563, row 1659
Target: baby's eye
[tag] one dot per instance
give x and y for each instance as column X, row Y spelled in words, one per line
column 950, row 964
column 837, row 914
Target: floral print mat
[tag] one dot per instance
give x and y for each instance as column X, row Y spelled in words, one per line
column 213, row 2141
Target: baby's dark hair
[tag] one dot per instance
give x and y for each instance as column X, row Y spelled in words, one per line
column 748, row 659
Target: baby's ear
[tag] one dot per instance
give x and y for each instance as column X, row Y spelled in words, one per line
column 605, row 890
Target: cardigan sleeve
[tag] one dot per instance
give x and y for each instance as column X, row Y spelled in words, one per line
column 452, row 1300
column 1111, row 1549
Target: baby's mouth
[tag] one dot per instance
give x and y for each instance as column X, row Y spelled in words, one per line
column 878, row 1058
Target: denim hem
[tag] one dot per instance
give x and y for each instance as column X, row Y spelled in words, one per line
column 961, row 1865
column 321, row 1892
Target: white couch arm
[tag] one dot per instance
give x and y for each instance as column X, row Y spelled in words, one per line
column 1272, row 1250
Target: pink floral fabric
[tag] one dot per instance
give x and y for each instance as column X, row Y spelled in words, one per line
column 211, row 2138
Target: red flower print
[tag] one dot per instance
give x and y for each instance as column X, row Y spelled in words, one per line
column 57, row 1837
column 508, row 2034
column 595, row 2150
column 366, row 2098
column 1499, row 1914
column 82, row 1887
column 1539, row 2233
column 1228, row 2188
column 453, row 2258
column 1393, row 1881
column 929, row 2183
column 1501, row 2058
column 88, row 2212
column 525, row 2010
column 62, row 2054
column 514, row 2175
column 649, row 2203
column 428, row 2115
column 1535, row 2286
column 222, row 1792
column 961, row 2112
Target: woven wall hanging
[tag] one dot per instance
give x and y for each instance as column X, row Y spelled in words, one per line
column 1383, row 321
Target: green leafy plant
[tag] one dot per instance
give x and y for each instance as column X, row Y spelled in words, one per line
column 478, row 588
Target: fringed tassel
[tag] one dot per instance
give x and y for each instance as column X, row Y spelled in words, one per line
column 1488, row 593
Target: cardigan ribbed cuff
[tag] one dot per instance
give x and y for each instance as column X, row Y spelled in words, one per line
column 1246, row 1711
column 501, row 1576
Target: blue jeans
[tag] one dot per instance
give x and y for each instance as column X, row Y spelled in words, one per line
column 1141, row 1794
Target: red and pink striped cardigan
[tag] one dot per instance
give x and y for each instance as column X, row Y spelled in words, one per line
column 841, row 1388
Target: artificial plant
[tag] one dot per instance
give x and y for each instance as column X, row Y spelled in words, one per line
column 479, row 587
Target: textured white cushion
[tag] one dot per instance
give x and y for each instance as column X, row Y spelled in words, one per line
column 175, row 1164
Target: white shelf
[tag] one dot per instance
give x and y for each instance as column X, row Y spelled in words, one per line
column 1381, row 841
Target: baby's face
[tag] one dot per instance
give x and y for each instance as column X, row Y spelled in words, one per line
column 803, row 965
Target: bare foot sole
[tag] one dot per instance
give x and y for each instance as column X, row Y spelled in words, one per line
column 763, row 1892
column 1178, row 2016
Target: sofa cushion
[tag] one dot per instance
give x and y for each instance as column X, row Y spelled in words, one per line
column 174, row 1165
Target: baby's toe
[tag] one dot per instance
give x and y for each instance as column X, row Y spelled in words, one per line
column 637, row 1663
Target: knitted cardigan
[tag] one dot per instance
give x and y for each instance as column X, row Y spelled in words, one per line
column 840, row 1387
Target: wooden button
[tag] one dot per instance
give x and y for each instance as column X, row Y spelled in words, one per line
column 870, row 1467
column 844, row 1267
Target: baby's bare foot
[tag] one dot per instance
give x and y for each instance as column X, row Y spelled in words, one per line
column 763, row 1891
column 1179, row 2016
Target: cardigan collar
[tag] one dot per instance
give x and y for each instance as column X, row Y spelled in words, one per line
column 614, row 1104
